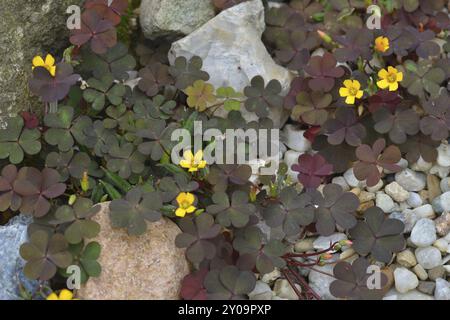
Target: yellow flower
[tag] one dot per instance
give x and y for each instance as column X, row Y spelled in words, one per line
column 185, row 202
column 63, row 295
column 351, row 91
column 382, row 44
column 48, row 64
column 191, row 162
column 389, row 78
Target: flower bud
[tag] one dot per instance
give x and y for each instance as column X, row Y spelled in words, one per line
column 325, row 37
column 85, row 182
column 72, row 199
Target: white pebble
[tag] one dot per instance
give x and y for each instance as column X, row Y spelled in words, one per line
column 443, row 158
column 411, row 180
column 405, row 280
column 414, row 200
column 429, row 257
column 396, row 192
column 384, row 202
column 424, row 233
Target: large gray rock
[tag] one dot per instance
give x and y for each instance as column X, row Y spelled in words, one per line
column 27, row 28
column 12, row 236
column 174, row 17
column 149, row 267
column 233, row 53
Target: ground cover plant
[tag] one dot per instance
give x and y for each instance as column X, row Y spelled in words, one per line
column 370, row 98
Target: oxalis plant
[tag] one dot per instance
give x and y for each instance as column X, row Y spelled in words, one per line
column 365, row 99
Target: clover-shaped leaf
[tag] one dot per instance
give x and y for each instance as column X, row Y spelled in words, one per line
column 116, row 61
column 298, row 85
column 221, row 175
column 59, row 125
column 78, row 219
column 157, row 108
column 94, row 29
column 44, row 254
column 254, row 253
column 334, row 207
column 281, row 22
column 384, row 99
column 9, row 199
column 437, row 122
column 323, row 72
column 150, row 52
column 231, row 212
column 69, row 164
column 291, row 211
column 339, row 156
column 192, row 287
column 399, row 125
column 425, row 45
column 125, row 159
column 53, row 89
column 37, row 188
column 187, row 72
column 229, row 283
column 311, row 108
column 99, row 138
column 133, row 211
column 371, row 158
column 352, row 281
column 200, row 95
column 157, row 139
column 16, row 141
column 312, row 169
column 153, row 78
column 420, row 146
column 110, row 10
column 345, row 127
column 170, row 187
column 296, row 53
column 421, row 78
column 356, row 43
column 262, row 97
column 197, row 237
column 378, row 235
column 231, row 98
column 86, row 258
column 103, row 89
column 401, row 40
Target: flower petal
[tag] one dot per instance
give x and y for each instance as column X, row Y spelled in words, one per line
column 343, row 92
column 350, row 100
column 49, row 60
column 38, row 61
column 393, row 86
column 359, row 94
column 180, row 213
column 348, row 83
column 190, row 198
column 65, row 295
column 191, row 209
column 383, row 74
column 382, row 84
